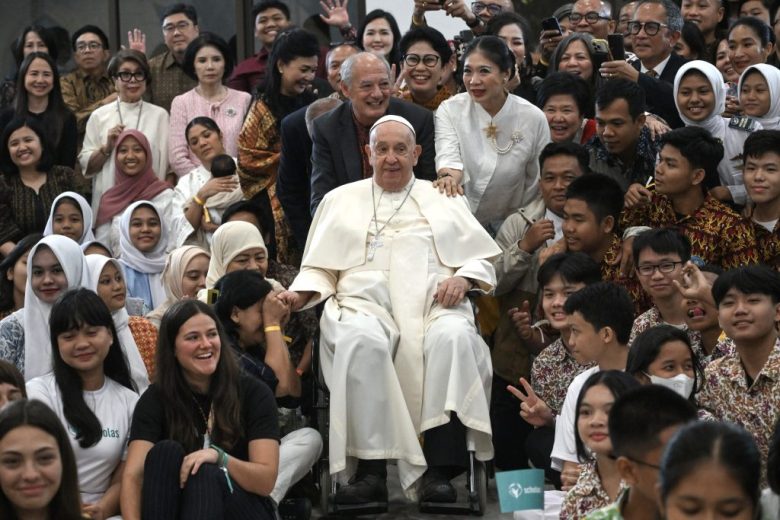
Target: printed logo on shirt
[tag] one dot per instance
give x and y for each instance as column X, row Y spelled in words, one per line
column 108, row 433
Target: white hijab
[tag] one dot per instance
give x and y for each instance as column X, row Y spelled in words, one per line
column 37, row 340
column 230, row 240
column 152, row 262
column 95, row 265
column 86, row 215
column 770, row 120
column 715, row 123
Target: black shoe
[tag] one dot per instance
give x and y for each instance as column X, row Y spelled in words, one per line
column 437, row 488
column 295, row 509
column 363, row 489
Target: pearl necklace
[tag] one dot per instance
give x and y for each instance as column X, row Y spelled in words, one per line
column 492, row 132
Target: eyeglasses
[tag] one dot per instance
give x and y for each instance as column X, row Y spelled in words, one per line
column 591, row 17
column 429, row 60
column 493, row 9
column 642, row 463
column 663, row 267
column 91, row 46
column 180, row 26
column 126, row 76
column 651, row 28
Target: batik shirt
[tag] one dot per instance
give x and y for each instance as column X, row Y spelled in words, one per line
column 552, row 372
column 652, row 318
column 768, row 245
column 612, row 511
column 587, row 495
column 717, row 234
column 601, row 161
column 730, row 396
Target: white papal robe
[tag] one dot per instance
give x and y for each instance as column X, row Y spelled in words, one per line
column 397, row 362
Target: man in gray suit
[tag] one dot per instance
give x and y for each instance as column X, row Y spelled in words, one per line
column 340, row 136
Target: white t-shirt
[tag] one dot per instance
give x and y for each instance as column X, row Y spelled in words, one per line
column 565, row 447
column 113, row 405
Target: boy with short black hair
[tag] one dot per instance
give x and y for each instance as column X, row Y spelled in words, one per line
column 762, row 182
column 600, row 318
column 641, row 422
column 659, row 256
column 687, row 169
column 743, row 387
column 590, row 216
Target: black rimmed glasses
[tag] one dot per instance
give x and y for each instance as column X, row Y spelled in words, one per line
column 651, row 28
column 591, row 17
column 179, row 26
column 429, row 60
column 88, row 46
column 126, row 76
column 663, row 267
column 493, row 9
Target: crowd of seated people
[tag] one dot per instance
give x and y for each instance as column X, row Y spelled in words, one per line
column 556, row 249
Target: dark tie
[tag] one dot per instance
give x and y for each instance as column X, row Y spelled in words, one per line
column 652, row 73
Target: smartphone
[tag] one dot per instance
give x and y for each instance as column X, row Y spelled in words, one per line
column 551, row 24
column 617, row 50
column 732, row 90
column 600, row 52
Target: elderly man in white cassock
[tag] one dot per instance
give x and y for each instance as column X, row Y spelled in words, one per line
column 393, row 260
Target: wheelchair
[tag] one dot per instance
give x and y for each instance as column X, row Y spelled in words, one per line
column 471, row 501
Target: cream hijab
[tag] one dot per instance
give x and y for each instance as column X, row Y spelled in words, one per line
column 172, row 277
column 230, row 240
column 771, row 74
column 715, row 124
column 35, row 313
column 95, row 266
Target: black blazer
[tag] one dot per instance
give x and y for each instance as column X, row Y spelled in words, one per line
column 293, row 181
column 660, row 91
column 336, row 159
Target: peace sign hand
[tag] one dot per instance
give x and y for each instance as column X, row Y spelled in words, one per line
column 532, row 409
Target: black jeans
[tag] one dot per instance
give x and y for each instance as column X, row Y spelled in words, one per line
column 205, row 496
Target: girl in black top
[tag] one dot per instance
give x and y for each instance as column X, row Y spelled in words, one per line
column 204, row 442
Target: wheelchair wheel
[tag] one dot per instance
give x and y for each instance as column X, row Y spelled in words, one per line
column 325, row 484
column 478, row 495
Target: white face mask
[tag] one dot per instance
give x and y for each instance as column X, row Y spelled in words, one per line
column 682, row 384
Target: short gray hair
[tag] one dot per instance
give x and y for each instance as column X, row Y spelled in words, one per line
column 317, row 108
column 349, row 64
column 674, row 18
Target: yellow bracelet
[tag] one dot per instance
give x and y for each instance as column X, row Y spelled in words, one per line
column 198, row 201
column 272, row 328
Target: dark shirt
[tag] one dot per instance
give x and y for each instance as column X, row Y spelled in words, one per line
column 643, row 168
column 22, row 211
column 258, row 416
column 250, row 72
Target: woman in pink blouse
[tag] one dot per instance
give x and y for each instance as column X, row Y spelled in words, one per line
column 208, row 60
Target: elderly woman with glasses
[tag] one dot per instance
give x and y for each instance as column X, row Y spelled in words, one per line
column 130, row 73
column 426, row 56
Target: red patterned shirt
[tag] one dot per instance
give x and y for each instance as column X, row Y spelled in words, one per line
column 768, row 244
column 718, row 235
column 610, row 272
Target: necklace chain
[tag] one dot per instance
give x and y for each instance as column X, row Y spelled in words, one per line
column 378, row 231
column 203, row 415
column 140, row 111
